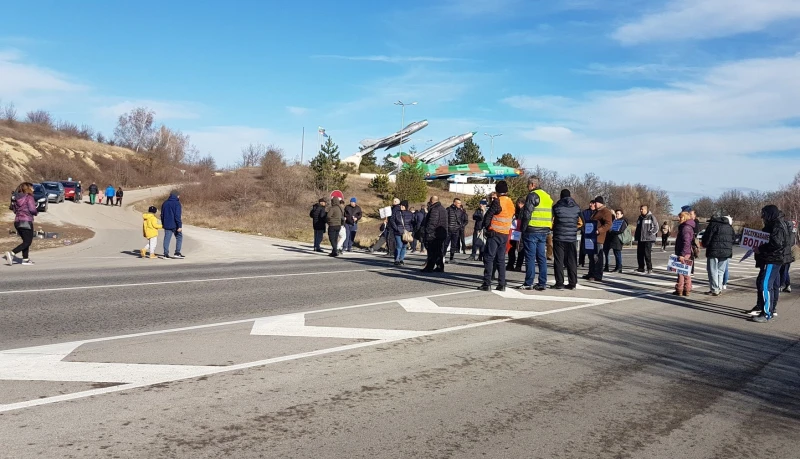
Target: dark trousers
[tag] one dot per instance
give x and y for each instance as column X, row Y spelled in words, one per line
column 515, row 259
column 618, row 260
column 463, row 241
column 351, row 237
column 786, row 281
column 27, row 239
column 453, row 240
column 391, row 244
column 596, row 263
column 582, row 253
column 333, row 236
column 118, row 202
column 109, row 200
column 644, row 255
column 768, row 285
column 318, row 236
column 381, row 241
column 435, row 253
column 606, row 251
column 494, row 258
column 664, row 241
column 565, row 254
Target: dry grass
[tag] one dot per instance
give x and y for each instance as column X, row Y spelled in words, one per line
column 67, row 235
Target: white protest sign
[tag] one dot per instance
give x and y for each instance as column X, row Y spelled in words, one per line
column 752, row 238
column 675, row 266
column 385, row 212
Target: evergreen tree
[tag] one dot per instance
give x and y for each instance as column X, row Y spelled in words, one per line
column 410, row 183
column 325, row 167
column 467, row 153
column 369, row 163
column 508, row 160
column 387, row 165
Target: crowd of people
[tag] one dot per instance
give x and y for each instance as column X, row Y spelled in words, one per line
column 113, row 196
column 508, row 234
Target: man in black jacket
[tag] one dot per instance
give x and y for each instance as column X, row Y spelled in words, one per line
column 718, row 241
column 456, row 222
column 419, row 230
column 435, row 235
column 566, row 222
column 93, row 190
column 391, row 243
column 477, row 232
column 352, row 215
column 318, row 216
column 769, row 258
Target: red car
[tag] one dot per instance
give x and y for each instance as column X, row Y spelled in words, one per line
column 72, row 190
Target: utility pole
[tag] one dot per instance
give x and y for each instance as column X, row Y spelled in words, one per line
column 402, row 125
column 492, row 136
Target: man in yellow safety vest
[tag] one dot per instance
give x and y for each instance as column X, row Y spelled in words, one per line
column 497, row 223
column 536, row 224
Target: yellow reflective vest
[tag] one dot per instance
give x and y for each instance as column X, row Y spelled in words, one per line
column 542, row 215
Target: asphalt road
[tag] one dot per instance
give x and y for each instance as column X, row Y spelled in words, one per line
column 304, row 356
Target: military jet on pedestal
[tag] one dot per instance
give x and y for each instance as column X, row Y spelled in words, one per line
column 390, row 141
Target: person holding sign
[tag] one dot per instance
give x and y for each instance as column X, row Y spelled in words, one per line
column 769, row 258
column 683, row 250
column 615, row 240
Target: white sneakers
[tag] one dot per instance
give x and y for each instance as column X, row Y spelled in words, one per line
column 9, row 258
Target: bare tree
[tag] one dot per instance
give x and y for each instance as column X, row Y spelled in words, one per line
column 10, row 113
column 100, row 138
column 135, row 129
column 68, row 128
column 252, row 155
column 40, row 117
column 86, row 132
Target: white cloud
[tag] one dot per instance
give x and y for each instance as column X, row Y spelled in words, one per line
column 165, row 110
column 297, row 111
column 389, row 59
column 712, row 125
column 19, row 79
column 640, row 71
column 703, row 19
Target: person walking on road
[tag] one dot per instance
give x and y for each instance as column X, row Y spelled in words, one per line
column 118, row 195
column 435, row 235
column 645, row 237
column 110, row 193
column 666, row 230
column 586, row 216
column 352, row 215
column 390, row 234
column 25, row 208
column 150, row 227
column 615, row 241
column 403, row 226
column 319, row 217
column 497, row 225
column 477, row 231
column 537, row 221
column 566, row 223
column 718, row 241
column 769, row 259
column 93, row 191
column 602, row 219
column 335, row 220
column 171, row 211
column 683, row 249
column 456, row 222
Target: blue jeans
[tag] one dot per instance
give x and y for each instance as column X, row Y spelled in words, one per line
column 400, row 249
column 319, row 235
column 535, row 255
column 351, row 237
column 716, row 268
column 786, row 281
column 168, row 233
column 618, row 259
column 726, row 276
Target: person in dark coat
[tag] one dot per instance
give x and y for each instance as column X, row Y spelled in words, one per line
column 352, row 215
column 93, row 190
column 419, row 230
column 477, row 232
column 402, row 221
column 456, row 222
column 516, row 251
column 718, row 241
column 769, row 259
column 645, row 236
column 118, row 201
column 390, row 240
column 335, row 220
column 586, row 216
column 567, row 220
column 435, row 235
column 602, row 220
column 172, row 222
column 318, row 216
column 614, row 240
column 786, row 281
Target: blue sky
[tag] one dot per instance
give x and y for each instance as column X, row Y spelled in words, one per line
column 694, row 96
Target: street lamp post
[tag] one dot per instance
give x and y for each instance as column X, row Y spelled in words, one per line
column 403, row 119
column 492, row 136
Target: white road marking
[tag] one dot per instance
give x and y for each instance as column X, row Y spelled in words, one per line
column 51, row 352
column 295, row 325
column 188, row 281
column 515, row 294
column 426, row 306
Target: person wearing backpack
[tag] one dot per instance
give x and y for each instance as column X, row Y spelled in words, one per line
column 616, row 239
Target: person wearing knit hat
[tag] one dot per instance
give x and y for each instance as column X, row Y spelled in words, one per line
column 352, row 215
column 536, row 224
column 497, row 226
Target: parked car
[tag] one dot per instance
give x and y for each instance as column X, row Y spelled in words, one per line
column 55, row 191
column 72, row 190
column 39, row 194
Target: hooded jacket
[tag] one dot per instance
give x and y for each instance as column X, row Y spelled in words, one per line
column 319, row 215
column 352, row 214
column 436, row 223
column 150, row 225
column 24, row 207
column 718, row 238
column 110, row 192
column 171, row 213
column 788, row 257
column 683, row 243
column 335, row 215
column 566, row 220
column 773, row 252
column 646, row 228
